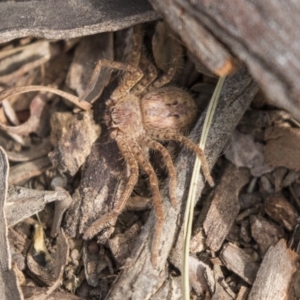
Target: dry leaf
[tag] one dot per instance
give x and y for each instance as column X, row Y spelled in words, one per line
column 243, row 151
column 283, row 147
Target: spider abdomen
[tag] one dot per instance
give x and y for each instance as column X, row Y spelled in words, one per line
column 168, row 108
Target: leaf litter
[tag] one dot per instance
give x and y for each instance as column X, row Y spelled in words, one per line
column 245, row 230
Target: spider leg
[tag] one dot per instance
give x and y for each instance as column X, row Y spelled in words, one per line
column 167, row 77
column 150, row 73
column 157, row 201
column 182, row 139
column 169, row 164
column 131, row 66
column 110, row 218
column 128, row 82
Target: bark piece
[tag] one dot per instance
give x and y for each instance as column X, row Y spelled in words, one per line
column 275, row 273
column 121, row 244
column 283, row 147
column 71, row 18
column 72, row 136
column 265, row 233
column 248, row 30
column 225, row 206
column 237, row 93
column 236, row 260
column 282, row 211
column 9, row 286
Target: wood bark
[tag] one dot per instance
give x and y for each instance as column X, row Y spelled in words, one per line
column 261, row 34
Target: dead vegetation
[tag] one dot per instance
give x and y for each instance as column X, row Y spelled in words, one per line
column 245, row 239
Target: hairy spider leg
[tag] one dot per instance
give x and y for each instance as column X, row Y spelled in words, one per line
column 156, row 198
column 182, row 139
column 126, row 84
column 150, row 74
column 169, row 164
column 106, row 221
column 133, row 75
column 167, row 76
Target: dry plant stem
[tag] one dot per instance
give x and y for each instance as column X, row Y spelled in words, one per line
column 39, row 88
column 238, row 91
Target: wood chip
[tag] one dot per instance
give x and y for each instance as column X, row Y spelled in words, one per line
column 265, row 233
column 236, row 260
column 225, row 206
column 275, row 274
column 282, row 211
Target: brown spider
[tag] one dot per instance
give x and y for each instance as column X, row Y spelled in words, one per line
column 139, row 112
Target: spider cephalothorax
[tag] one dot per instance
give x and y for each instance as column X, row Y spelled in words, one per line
column 141, row 111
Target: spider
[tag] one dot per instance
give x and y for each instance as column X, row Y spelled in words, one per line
column 140, row 111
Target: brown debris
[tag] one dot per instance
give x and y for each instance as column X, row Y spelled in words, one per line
column 225, row 206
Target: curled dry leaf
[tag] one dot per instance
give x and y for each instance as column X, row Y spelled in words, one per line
column 72, row 136
column 40, row 88
column 243, row 151
column 283, row 147
column 39, row 117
